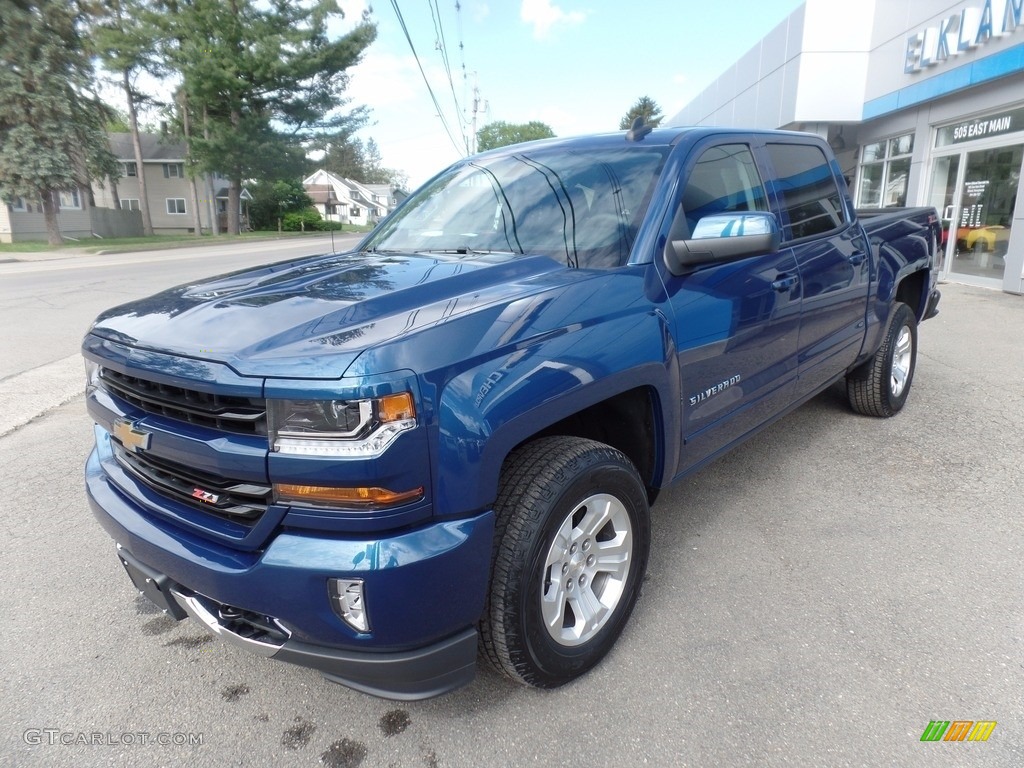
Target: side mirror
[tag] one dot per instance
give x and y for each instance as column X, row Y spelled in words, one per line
column 723, row 237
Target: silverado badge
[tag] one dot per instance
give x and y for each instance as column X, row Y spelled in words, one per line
column 130, row 436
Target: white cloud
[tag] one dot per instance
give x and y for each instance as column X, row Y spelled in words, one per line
column 478, row 11
column 542, row 15
column 353, row 9
column 383, row 79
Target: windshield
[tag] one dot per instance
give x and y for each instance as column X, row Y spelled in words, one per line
column 579, row 206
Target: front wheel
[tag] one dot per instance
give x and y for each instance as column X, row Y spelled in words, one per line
column 571, row 543
column 880, row 386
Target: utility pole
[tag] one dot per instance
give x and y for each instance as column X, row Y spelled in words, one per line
column 471, row 144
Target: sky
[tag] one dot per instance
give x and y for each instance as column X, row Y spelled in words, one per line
column 576, row 65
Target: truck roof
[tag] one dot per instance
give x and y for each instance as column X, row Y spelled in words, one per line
column 657, row 137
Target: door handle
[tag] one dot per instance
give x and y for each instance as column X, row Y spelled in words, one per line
column 785, row 283
column 857, row 258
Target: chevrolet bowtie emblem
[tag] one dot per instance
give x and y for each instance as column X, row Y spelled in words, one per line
column 131, row 437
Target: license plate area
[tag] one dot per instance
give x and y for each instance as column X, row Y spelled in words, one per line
column 154, row 586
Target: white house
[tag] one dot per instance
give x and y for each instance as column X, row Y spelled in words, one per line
column 348, row 201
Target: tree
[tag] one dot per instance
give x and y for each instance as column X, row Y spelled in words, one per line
column 126, row 42
column 348, row 157
column 501, row 134
column 645, row 107
column 51, row 122
column 345, row 157
column 264, row 79
column 273, row 199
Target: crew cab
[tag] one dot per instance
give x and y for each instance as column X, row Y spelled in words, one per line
column 444, row 445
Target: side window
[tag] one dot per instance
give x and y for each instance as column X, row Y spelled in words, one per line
column 807, row 190
column 723, row 180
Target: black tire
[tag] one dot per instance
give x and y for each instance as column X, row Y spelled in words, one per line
column 880, row 386
column 550, row 486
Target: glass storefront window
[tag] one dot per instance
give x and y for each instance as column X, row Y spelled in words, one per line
column 871, row 186
column 885, row 172
column 901, row 145
column 874, row 152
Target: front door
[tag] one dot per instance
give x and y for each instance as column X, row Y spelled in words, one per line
column 736, row 324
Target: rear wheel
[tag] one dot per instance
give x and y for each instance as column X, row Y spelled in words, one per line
column 571, row 543
column 880, row 386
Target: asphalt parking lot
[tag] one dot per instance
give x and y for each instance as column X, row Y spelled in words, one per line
column 816, row 598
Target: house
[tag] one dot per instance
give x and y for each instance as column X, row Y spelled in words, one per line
column 23, row 219
column 348, row 201
column 390, row 194
column 170, row 197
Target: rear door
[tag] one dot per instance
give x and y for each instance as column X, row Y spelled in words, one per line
column 736, row 323
column 820, row 231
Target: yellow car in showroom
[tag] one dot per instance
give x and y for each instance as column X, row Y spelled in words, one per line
column 993, row 238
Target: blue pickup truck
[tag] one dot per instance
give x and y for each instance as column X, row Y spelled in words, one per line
column 445, row 444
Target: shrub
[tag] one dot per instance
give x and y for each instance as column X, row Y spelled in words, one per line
column 309, row 219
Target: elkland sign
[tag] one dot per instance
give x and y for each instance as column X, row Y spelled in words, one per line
column 971, row 27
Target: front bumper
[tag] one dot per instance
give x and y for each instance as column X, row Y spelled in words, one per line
column 425, row 592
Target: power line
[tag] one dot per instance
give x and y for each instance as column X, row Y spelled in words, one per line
column 442, row 45
column 430, row 90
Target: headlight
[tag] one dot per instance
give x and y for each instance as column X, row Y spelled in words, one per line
column 346, row 428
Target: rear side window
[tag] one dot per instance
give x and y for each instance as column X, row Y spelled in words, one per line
column 724, row 180
column 807, row 190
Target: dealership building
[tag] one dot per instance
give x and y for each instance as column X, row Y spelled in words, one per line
column 923, row 102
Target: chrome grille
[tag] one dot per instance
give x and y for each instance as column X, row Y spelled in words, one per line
column 229, row 413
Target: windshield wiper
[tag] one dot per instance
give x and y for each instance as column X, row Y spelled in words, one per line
column 465, row 250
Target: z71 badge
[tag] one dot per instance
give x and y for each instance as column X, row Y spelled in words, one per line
column 209, row 498
column 710, row 392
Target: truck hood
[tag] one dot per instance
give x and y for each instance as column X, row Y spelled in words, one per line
column 311, row 318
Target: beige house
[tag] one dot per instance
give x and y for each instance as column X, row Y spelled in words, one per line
column 170, row 198
column 23, row 219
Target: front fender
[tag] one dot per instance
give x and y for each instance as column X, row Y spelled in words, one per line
column 485, row 411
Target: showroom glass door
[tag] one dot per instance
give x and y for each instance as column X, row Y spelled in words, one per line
column 945, row 184
column 979, row 227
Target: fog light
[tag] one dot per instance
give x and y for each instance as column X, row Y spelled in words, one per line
column 348, row 602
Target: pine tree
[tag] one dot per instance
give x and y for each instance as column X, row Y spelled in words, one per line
column 265, row 79
column 345, row 157
column 645, row 107
column 51, row 125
